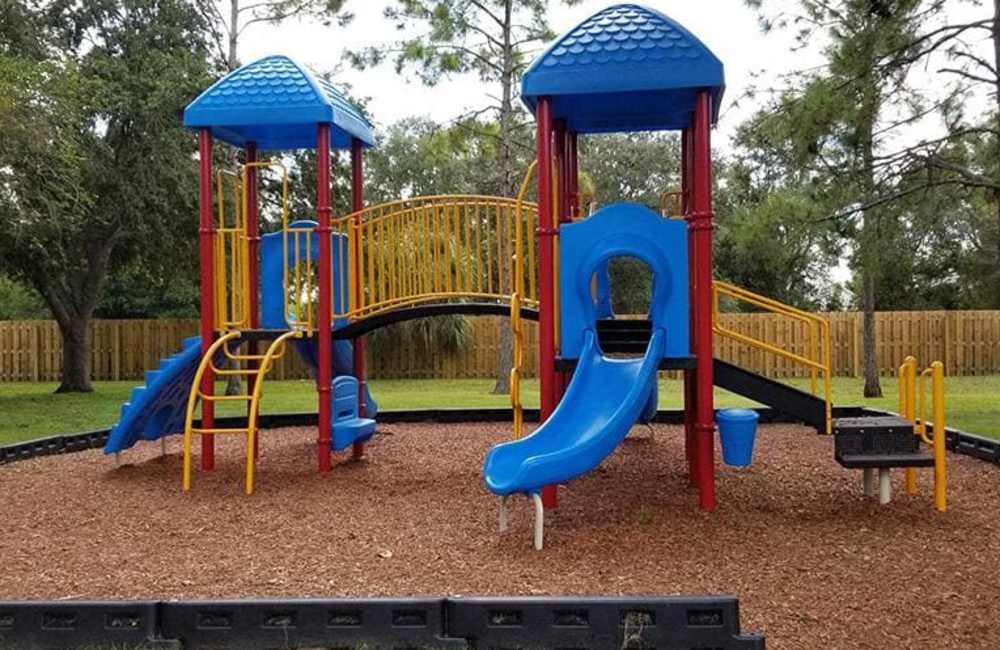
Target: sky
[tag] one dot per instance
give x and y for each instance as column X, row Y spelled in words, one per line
column 733, row 34
column 727, row 27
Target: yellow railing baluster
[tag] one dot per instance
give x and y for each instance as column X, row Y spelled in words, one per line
column 426, row 250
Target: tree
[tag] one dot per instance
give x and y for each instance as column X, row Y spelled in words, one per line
column 490, row 38
column 97, row 171
column 967, row 154
column 19, row 302
column 239, row 16
column 839, row 123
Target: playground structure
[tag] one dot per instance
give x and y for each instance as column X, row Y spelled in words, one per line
column 319, row 286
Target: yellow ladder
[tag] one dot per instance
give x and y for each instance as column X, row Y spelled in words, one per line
column 264, row 364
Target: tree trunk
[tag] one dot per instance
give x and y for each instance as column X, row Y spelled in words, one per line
column 76, row 356
column 995, row 33
column 873, row 387
column 870, row 243
column 504, row 351
column 232, row 59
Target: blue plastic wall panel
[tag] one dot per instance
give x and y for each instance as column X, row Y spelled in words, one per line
column 632, row 230
column 272, row 296
column 159, row 407
column 276, row 103
column 272, row 273
column 626, row 68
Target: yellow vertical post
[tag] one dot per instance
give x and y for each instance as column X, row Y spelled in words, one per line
column 940, row 469
column 908, row 409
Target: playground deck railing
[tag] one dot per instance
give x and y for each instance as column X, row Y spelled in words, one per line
column 817, row 358
column 438, row 249
column 432, row 249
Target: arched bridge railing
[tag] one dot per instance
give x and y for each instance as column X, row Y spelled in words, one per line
column 425, row 250
column 437, row 249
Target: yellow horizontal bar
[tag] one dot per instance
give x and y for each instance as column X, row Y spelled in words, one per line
column 225, row 398
column 724, row 288
column 768, row 348
column 220, row 431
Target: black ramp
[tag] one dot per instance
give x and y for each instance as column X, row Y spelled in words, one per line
column 781, row 397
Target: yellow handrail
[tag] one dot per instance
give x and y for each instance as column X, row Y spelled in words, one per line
column 517, row 335
column 274, row 352
column 818, row 328
column 936, row 373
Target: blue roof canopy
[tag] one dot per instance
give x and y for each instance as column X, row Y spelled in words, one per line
column 626, row 68
column 277, row 103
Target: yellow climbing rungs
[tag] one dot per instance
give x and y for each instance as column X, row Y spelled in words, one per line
column 274, row 352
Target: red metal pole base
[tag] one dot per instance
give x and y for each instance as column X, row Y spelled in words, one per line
column 550, row 497
column 705, row 465
column 207, row 452
column 358, row 451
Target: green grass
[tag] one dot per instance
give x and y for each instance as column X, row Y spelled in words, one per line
column 32, row 410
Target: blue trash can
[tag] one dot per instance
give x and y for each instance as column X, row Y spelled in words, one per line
column 737, row 430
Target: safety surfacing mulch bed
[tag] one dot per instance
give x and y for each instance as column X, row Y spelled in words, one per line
column 815, row 565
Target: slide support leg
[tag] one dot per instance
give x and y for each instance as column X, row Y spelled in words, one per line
column 539, row 521
column 504, row 517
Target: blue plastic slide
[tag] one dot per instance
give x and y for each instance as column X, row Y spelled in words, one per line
column 157, row 408
column 604, row 399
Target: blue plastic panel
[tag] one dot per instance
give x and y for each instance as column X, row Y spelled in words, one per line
column 624, row 229
column 272, row 297
column 626, row 68
column 277, row 103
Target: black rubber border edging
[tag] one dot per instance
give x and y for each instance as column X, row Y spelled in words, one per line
column 447, row 623
column 959, row 442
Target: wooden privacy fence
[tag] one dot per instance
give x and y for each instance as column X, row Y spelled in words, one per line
column 968, row 342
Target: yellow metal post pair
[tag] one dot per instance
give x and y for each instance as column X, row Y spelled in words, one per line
column 913, row 407
column 265, row 362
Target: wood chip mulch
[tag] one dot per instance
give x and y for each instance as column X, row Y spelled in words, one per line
column 815, row 565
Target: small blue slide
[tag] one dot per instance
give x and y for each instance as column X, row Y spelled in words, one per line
column 604, row 399
column 606, row 396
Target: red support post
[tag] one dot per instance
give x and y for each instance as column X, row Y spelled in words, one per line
column 701, row 224
column 690, row 396
column 358, row 204
column 325, row 317
column 546, row 282
column 206, row 237
column 253, row 267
